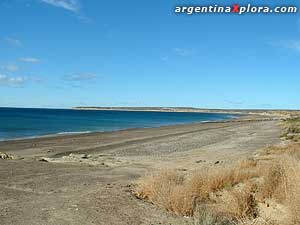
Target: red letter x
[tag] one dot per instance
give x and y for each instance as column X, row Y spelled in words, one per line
column 236, row 8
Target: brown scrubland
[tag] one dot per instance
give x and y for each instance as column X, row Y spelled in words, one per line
column 260, row 190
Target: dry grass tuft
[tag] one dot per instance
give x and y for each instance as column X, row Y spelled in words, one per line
column 292, row 129
column 207, row 215
column 292, row 149
column 272, row 181
column 149, row 187
column 248, row 163
column 232, row 194
column 179, row 194
column 238, row 203
column 291, row 188
column 166, row 190
column 202, row 184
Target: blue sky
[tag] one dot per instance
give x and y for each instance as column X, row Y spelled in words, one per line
column 65, row 53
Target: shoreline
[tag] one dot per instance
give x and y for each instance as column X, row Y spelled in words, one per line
column 99, row 139
column 71, row 133
column 83, row 178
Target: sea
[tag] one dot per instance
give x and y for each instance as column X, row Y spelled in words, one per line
column 18, row 123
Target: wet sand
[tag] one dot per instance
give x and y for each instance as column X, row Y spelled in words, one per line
column 86, row 179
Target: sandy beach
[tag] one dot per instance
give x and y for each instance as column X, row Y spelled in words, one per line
column 149, row 113
column 87, row 178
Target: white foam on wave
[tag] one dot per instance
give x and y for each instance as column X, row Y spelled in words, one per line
column 48, row 135
column 76, row 132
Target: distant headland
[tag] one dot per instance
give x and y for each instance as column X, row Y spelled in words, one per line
column 273, row 112
column 161, row 109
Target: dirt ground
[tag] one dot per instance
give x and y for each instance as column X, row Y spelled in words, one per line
column 87, row 179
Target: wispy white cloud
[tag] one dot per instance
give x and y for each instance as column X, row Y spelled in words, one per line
column 81, row 77
column 71, row 5
column 10, row 67
column 14, row 42
column 183, row 51
column 29, row 60
column 233, row 102
column 18, row 81
column 12, row 81
column 164, row 58
column 288, row 44
column 293, row 44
